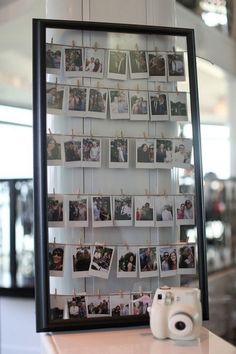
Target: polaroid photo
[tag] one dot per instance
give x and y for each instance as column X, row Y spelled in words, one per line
column 72, row 151
column 94, row 62
column 182, row 153
column 77, row 101
column 148, row 262
column 101, row 261
column 145, row 153
column 101, row 211
column 91, row 152
column 55, row 210
column 53, row 59
column 175, row 64
column 118, row 153
column 54, row 150
column 127, row 262
column 117, row 64
column 81, row 260
column 123, row 210
column 98, row 306
column 184, row 210
column 168, row 261
column 77, row 211
column 164, row 209
column 186, row 259
column 56, row 257
column 178, row 106
column 158, row 102
column 57, row 307
column 164, row 153
column 120, row 305
column 97, row 103
column 55, row 98
column 119, row 104
column 140, row 303
column 73, row 66
column 144, row 211
column 138, row 64
column 157, row 66
column 77, row 307
column 139, row 105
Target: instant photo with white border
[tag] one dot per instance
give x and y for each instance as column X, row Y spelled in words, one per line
column 55, row 210
column 101, row 261
column 139, row 105
column 164, row 211
column 159, row 106
column 144, row 211
column 186, row 259
column 91, row 152
column 81, row 259
column 119, row 104
column 97, row 103
column 56, row 256
column 178, row 106
column 176, row 67
column 123, row 210
column 72, row 151
column 182, row 153
column 57, row 307
column 184, row 209
column 117, row 64
column 55, row 96
column 73, row 61
column 77, row 211
column 120, row 305
column 168, row 261
column 140, row 303
column 118, row 153
column 138, row 64
column 164, row 153
column 127, row 265
column 98, row 306
column 77, row 101
column 157, row 67
column 145, row 153
column 53, row 59
column 148, row 261
column 54, row 150
column 94, row 62
column 76, row 306
column 101, row 211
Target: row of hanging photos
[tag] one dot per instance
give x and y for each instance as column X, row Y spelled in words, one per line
column 76, row 210
column 94, row 62
column 87, row 151
column 146, row 261
column 137, row 104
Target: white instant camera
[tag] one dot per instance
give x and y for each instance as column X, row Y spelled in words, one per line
column 176, row 313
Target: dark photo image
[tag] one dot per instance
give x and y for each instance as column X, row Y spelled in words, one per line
column 56, row 257
column 101, row 209
column 73, row 59
column 72, row 150
column 55, row 96
column 81, row 259
column 97, row 100
column 91, row 149
column 164, row 151
column 101, row 261
column 53, row 57
column 120, row 305
column 158, row 104
column 148, row 259
column 117, row 62
column 123, row 208
column 127, row 262
column 57, row 304
column 78, row 209
column 119, row 150
column 138, row 61
column 55, row 209
column 178, row 105
column 77, row 99
column 144, row 213
column 77, row 307
column 98, row 306
column 53, row 149
column 157, row 65
column 186, row 257
column 145, row 151
column 176, row 64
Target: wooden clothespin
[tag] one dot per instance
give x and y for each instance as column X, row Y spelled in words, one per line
column 121, row 191
column 50, row 132
column 54, row 241
column 95, row 46
column 99, row 294
column 121, row 293
column 52, row 40
column 136, row 47
column 121, row 134
column 78, row 83
column 140, row 290
column 55, row 292
column 145, row 135
column 73, row 43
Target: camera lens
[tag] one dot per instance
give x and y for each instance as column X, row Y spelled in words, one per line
column 159, row 296
column 180, row 325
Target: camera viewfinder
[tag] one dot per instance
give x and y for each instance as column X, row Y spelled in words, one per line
column 159, row 296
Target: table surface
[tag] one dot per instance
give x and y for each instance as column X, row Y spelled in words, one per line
column 130, row 341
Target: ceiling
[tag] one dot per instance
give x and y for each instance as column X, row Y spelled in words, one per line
column 16, row 63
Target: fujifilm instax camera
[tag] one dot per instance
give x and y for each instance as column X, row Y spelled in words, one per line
column 176, row 313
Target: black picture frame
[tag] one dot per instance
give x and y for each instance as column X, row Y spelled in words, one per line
column 42, row 294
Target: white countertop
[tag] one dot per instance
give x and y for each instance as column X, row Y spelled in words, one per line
column 130, row 341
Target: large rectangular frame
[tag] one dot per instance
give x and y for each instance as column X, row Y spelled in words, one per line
column 40, row 168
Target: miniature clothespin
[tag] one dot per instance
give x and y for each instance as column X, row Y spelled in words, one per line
column 73, row 43
column 50, row 132
column 145, row 135
column 99, row 293
column 121, row 191
column 78, row 83
column 137, row 88
column 52, row 40
column 78, row 193
column 55, row 292
column 95, row 46
column 121, row 293
column 74, row 292
column 91, row 134
column 121, row 134
column 54, row 241
column 56, row 83
column 140, row 290
column 136, row 47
